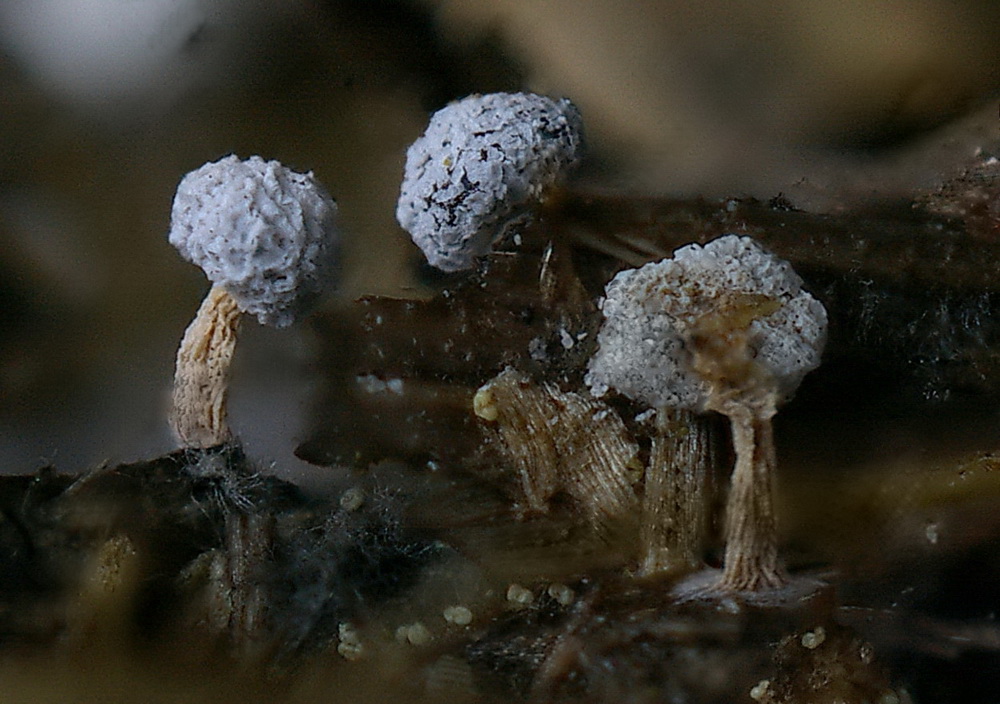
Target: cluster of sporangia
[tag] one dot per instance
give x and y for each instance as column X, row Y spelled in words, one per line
column 724, row 327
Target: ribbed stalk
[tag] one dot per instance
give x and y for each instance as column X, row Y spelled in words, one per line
column 676, row 495
column 198, row 414
column 751, row 560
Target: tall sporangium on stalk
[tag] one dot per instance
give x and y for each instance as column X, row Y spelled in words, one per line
column 267, row 239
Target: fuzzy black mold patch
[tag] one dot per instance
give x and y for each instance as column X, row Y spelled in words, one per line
column 336, row 565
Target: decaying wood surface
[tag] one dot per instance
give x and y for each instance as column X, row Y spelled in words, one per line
column 491, row 485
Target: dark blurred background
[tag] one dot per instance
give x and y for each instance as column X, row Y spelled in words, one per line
column 105, row 104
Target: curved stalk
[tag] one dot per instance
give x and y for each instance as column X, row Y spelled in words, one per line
column 198, row 414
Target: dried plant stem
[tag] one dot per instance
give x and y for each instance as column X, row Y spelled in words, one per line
column 550, row 438
column 201, row 377
column 751, row 561
column 675, row 498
